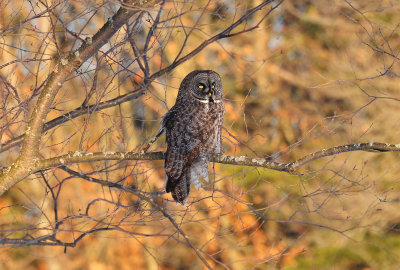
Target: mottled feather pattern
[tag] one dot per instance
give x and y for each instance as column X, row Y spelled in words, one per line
column 193, row 134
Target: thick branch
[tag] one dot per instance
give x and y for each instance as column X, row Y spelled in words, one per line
column 79, row 157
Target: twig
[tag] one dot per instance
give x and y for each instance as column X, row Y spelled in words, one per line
column 147, row 144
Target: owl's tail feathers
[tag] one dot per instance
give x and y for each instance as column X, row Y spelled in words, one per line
column 179, row 188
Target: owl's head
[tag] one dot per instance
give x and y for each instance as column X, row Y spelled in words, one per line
column 204, row 86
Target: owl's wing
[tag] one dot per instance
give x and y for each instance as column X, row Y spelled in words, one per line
column 178, row 169
column 184, row 146
column 180, row 190
column 181, row 153
column 174, row 156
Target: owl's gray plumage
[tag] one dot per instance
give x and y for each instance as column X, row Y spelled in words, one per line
column 193, row 131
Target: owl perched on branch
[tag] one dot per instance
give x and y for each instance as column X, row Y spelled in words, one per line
column 193, row 132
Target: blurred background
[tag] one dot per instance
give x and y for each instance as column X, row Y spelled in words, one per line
column 312, row 75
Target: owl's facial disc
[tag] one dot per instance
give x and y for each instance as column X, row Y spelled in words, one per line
column 204, row 88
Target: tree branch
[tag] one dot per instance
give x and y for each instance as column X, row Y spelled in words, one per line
column 292, row 167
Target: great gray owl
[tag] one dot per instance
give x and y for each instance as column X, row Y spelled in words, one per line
column 193, row 132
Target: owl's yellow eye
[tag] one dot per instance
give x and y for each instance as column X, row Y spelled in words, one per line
column 213, row 86
column 201, row 86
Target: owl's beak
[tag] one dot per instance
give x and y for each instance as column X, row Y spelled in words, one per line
column 211, row 97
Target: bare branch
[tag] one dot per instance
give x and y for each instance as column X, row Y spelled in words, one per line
column 79, row 157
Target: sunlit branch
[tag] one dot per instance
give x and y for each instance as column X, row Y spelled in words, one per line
column 291, row 167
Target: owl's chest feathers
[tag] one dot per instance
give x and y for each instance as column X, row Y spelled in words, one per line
column 204, row 111
column 203, row 122
column 194, row 119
